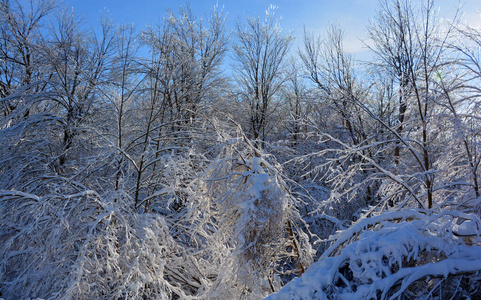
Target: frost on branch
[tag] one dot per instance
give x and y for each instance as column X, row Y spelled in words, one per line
column 249, row 222
column 80, row 246
column 397, row 254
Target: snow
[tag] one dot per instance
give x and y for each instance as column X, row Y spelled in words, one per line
column 387, row 255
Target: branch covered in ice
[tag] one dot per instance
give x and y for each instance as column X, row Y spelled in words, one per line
column 392, row 254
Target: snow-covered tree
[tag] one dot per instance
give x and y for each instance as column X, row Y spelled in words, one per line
column 249, row 221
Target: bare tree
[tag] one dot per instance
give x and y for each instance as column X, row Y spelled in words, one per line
column 411, row 47
column 125, row 79
column 259, row 53
column 184, row 67
column 77, row 62
column 331, row 69
column 295, row 97
column 459, row 83
column 393, row 33
column 20, row 28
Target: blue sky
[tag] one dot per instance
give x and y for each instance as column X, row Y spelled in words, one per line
column 352, row 15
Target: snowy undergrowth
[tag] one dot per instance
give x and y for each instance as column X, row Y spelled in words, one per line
column 237, row 235
column 397, row 255
column 80, row 246
column 248, row 222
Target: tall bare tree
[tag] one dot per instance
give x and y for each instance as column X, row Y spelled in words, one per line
column 78, row 62
column 186, row 55
column 260, row 52
column 20, row 28
column 393, row 33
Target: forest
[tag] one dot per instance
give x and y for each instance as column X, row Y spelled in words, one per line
column 192, row 160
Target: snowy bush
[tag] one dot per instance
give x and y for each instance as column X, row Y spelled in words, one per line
column 246, row 218
column 80, row 246
column 411, row 254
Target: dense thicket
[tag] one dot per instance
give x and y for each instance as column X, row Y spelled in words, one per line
column 132, row 166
